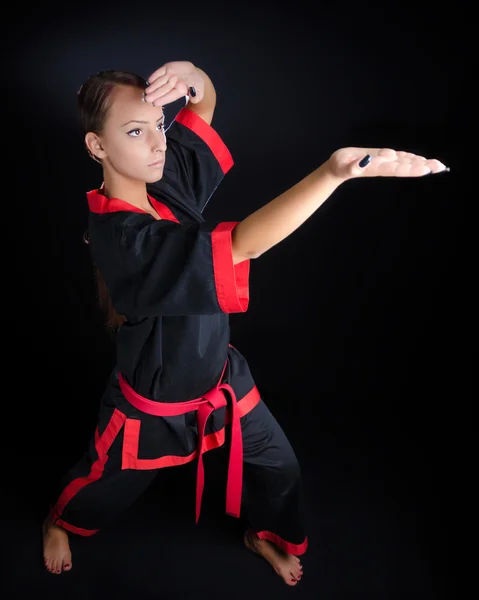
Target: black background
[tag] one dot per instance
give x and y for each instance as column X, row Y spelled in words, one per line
column 357, row 332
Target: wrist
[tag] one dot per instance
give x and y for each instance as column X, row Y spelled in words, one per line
column 326, row 172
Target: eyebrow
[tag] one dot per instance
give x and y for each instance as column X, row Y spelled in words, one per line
column 143, row 122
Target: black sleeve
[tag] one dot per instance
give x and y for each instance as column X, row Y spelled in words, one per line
column 196, row 159
column 167, row 268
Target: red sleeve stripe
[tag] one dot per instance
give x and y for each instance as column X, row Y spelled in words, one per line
column 211, row 138
column 231, row 281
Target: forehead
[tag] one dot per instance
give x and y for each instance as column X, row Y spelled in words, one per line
column 126, row 104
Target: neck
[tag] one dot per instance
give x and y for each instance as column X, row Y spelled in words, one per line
column 129, row 190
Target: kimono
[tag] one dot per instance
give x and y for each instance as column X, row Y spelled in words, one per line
column 179, row 388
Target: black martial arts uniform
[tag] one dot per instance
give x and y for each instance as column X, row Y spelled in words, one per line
column 179, row 388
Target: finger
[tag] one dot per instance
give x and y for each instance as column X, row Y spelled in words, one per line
column 360, row 152
column 178, row 92
column 404, row 168
column 158, row 73
column 359, row 167
column 364, row 162
column 410, row 165
column 435, row 165
column 383, row 153
column 156, row 85
column 416, row 160
column 387, row 153
column 163, row 90
column 389, row 163
column 194, row 95
column 402, row 154
column 411, row 169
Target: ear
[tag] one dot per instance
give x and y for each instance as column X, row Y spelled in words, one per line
column 93, row 144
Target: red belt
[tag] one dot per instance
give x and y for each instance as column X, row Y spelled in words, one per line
column 205, row 405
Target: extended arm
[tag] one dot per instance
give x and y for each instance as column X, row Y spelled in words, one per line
column 276, row 220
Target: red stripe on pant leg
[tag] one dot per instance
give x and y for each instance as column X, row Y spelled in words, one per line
column 111, row 431
column 295, row 549
column 73, row 529
column 102, row 445
column 76, row 485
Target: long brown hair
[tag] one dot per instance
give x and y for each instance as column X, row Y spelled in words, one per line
column 94, row 101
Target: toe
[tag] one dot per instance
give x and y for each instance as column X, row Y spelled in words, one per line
column 298, row 577
column 296, row 574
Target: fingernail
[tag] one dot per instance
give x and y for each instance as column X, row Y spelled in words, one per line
column 192, row 92
column 365, row 161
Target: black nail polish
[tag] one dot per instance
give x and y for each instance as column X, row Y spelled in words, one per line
column 192, row 92
column 365, row 161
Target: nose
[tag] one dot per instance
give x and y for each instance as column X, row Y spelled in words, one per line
column 159, row 142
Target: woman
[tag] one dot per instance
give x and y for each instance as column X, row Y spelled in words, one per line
column 168, row 282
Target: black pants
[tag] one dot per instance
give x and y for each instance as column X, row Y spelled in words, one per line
column 105, row 481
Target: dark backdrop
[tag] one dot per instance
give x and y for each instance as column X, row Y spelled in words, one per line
column 355, row 330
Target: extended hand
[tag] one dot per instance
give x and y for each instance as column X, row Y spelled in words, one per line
column 172, row 81
column 384, row 162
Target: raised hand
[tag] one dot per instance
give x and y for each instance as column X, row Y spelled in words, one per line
column 173, row 81
column 383, row 162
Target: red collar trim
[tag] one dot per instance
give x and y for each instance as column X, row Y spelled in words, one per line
column 100, row 204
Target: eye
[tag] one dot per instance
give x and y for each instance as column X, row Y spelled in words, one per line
column 134, row 132
column 161, row 126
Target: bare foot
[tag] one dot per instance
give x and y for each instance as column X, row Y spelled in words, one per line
column 286, row 565
column 56, row 549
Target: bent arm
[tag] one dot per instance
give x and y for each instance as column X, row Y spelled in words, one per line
column 206, row 107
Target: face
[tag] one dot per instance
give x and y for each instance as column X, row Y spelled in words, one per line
column 133, row 142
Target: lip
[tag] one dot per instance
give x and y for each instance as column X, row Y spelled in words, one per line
column 158, row 163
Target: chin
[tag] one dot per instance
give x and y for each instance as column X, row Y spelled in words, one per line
column 155, row 178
